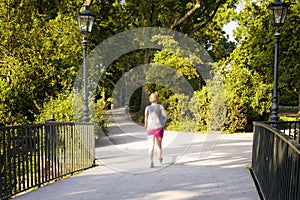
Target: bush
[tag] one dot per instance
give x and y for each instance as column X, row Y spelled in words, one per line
column 248, row 99
column 62, row 109
column 229, row 103
column 200, row 103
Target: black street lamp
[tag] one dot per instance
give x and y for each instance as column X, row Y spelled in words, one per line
column 278, row 12
column 85, row 23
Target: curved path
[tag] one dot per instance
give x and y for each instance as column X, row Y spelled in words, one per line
column 195, row 166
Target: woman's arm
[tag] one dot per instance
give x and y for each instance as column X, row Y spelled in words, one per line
column 163, row 111
column 146, row 117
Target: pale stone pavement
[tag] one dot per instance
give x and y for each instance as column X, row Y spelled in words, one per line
column 195, row 166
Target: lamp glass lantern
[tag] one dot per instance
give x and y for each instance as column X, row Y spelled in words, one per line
column 278, row 12
column 85, row 21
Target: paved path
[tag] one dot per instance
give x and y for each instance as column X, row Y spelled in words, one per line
column 195, row 166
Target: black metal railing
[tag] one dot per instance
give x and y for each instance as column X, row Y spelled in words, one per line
column 290, row 128
column 32, row 155
column 275, row 160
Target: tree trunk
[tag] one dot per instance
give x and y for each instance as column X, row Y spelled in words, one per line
column 144, row 99
column 299, row 103
column 147, row 17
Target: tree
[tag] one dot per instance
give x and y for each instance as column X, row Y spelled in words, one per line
column 256, row 47
column 248, row 71
column 39, row 56
column 41, row 49
column 201, row 20
column 289, row 58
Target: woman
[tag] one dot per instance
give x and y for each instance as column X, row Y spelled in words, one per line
column 155, row 116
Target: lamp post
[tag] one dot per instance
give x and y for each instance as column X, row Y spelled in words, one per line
column 278, row 12
column 85, row 23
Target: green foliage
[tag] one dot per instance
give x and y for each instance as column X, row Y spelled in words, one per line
column 182, row 113
column 39, row 57
column 174, row 113
column 289, row 82
column 182, row 66
column 100, row 108
column 41, row 53
column 256, row 48
column 247, row 98
column 63, row 110
column 286, row 118
column 60, row 107
column 201, row 102
column 139, row 117
column 248, row 71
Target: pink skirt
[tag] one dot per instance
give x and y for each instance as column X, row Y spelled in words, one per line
column 158, row 133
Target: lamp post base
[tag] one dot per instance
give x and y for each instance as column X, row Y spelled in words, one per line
column 85, row 119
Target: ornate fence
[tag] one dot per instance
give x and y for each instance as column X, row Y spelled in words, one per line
column 275, row 160
column 32, row 155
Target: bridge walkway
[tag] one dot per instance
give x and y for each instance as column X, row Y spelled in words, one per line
column 195, row 166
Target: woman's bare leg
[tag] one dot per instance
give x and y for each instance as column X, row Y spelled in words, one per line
column 159, row 145
column 151, row 148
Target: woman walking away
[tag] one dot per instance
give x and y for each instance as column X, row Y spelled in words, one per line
column 155, row 116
